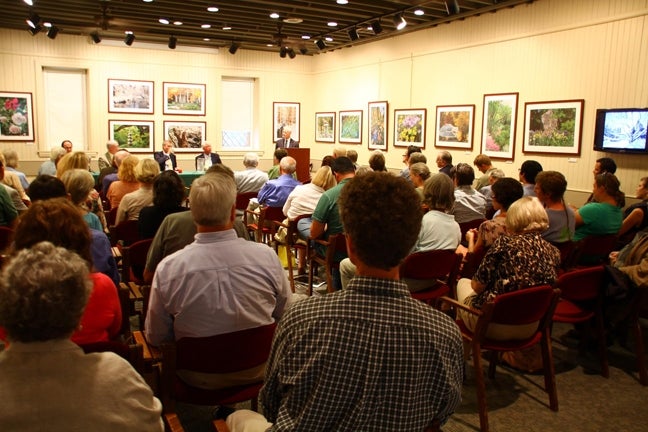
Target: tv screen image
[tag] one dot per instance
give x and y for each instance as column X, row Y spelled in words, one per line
column 621, row 130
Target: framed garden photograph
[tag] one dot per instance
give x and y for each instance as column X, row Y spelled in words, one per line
column 185, row 136
column 285, row 115
column 128, row 96
column 134, row 136
column 378, row 114
column 325, row 127
column 498, row 127
column 409, row 127
column 184, row 99
column 350, row 127
column 553, row 127
column 16, row 117
column 455, row 126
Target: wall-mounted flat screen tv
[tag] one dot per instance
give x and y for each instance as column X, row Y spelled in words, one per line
column 621, row 130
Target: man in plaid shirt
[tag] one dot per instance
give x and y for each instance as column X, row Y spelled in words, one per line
column 370, row 357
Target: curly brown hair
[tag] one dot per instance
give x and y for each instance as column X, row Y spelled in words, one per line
column 381, row 214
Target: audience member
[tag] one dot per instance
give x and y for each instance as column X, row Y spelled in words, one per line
column 48, row 383
column 126, row 183
column 49, row 166
column 377, row 161
column 251, row 179
column 419, row 173
column 603, row 215
column 11, row 164
column 132, row 203
column 279, row 154
column 604, row 165
column 109, row 175
column 106, row 161
column 168, row 194
column 416, row 157
column 444, row 162
column 339, row 151
column 528, row 172
column 67, row 146
column 11, row 179
column 353, row 155
column 78, row 184
column 286, row 141
column 550, row 187
column 405, row 171
column 485, row 166
column 165, row 158
column 327, row 161
column 208, row 158
column 494, row 175
column 14, row 195
column 329, row 369
column 635, row 217
column 469, row 204
column 8, row 212
column 275, row 192
column 46, row 187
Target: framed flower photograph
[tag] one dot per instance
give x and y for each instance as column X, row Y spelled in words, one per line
column 184, row 99
column 325, row 127
column 498, row 127
column 185, row 136
column 16, row 117
column 285, row 115
column 350, row 127
column 134, row 136
column 455, row 126
column 128, row 96
column 409, row 127
column 553, row 127
column 378, row 114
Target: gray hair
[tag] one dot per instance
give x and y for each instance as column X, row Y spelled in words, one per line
column 55, row 152
column 251, row 160
column 288, row 165
column 497, row 174
column 112, row 143
column 438, row 192
column 212, row 198
column 11, row 157
column 416, row 157
column 120, row 156
column 78, row 183
column 43, row 291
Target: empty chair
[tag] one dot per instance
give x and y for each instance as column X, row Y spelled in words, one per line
column 431, row 274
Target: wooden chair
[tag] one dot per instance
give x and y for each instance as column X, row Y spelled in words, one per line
column 567, row 250
column 467, row 226
column 6, row 239
column 124, row 234
column 335, row 246
column 226, row 353
column 111, row 215
column 593, row 250
column 243, row 199
column 134, row 261
column 581, row 301
column 437, row 267
column 263, row 229
column 131, row 352
column 472, row 261
column 293, row 247
column 515, row 308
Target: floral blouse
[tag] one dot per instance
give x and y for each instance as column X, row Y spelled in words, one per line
column 514, row 262
column 491, row 229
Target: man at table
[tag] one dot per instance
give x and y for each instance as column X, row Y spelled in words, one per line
column 166, row 158
column 207, row 157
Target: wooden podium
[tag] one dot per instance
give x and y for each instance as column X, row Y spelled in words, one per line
column 302, row 156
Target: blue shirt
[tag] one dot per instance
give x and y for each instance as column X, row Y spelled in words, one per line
column 275, row 192
column 102, row 256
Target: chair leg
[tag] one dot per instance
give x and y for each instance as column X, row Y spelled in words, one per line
column 289, row 258
column 602, row 345
column 493, row 359
column 311, row 269
column 639, row 349
column 549, row 371
column 481, row 388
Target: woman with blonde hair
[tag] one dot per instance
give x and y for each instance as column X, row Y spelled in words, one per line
column 126, row 183
column 78, row 184
column 129, row 208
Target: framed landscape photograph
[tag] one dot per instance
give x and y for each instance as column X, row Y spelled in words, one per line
column 498, row 127
column 128, row 96
column 553, row 127
column 185, row 136
column 325, row 127
column 455, row 126
column 134, row 136
column 184, row 99
column 350, row 127
column 377, row 133
column 16, row 117
column 409, row 127
column 285, row 115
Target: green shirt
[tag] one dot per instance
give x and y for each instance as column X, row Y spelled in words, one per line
column 273, row 173
column 8, row 211
column 598, row 219
column 327, row 212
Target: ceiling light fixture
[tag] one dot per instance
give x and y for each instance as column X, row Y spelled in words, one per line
column 177, row 23
column 274, row 15
column 173, row 41
column 233, row 48
column 399, row 22
column 328, row 39
column 33, row 20
column 47, row 24
column 227, row 28
column 331, row 24
column 212, row 9
column 305, row 37
column 376, row 27
column 353, row 34
column 29, row 2
column 129, row 39
column 303, row 50
column 163, row 21
column 291, row 53
column 282, row 52
column 419, row 12
column 342, row 2
column 205, row 26
column 452, row 7
column 320, row 44
column 52, row 32
column 96, row 38
column 34, row 31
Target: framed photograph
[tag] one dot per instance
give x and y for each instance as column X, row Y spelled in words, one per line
column 409, row 127
column 378, row 114
column 16, row 117
column 350, row 127
column 185, row 136
column 127, row 96
column 553, row 127
column 455, row 126
column 285, row 115
column 134, row 136
column 184, row 99
column 325, row 127
column 498, row 127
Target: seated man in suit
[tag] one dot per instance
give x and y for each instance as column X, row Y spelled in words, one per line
column 106, row 161
column 166, row 158
column 208, row 158
column 285, row 141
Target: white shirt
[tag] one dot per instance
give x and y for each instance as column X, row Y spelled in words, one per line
column 302, row 200
column 250, row 180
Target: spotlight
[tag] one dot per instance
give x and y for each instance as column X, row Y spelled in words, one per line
column 291, row 53
column 129, row 39
column 303, row 50
column 233, row 48
column 376, row 27
column 353, row 34
column 320, row 44
column 34, row 31
column 33, row 20
column 173, row 41
column 95, row 37
column 452, row 7
column 399, row 22
column 282, row 52
column 52, row 32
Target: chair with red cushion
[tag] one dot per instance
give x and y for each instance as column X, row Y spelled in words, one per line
column 593, row 250
column 243, row 199
column 467, row 226
column 335, row 246
column 294, row 247
column 520, row 307
column 439, row 267
column 581, row 301
column 124, row 234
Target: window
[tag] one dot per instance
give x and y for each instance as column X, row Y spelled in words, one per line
column 237, row 114
column 65, row 107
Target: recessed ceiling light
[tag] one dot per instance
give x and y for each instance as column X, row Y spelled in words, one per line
column 419, row 12
column 306, row 37
column 212, row 9
column 206, row 39
column 293, row 20
column 328, row 39
column 342, row 1
column 128, row 32
column 177, row 22
column 29, row 2
column 274, row 15
column 269, row 45
column 148, row 1
column 205, row 26
column 163, row 21
column 227, row 28
column 332, row 24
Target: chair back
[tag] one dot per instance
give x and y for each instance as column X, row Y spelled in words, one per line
column 472, row 262
column 524, row 306
column 134, row 261
column 134, row 353
column 567, row 250
column 243, row 199
column 274, row 214
column 467, row 226
column 111, row 215
column 127, row 232
column 594, row 250
column 6, row 238
column 582, row 285
column 430, row 264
